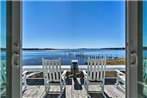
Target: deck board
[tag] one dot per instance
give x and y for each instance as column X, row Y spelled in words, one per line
column 114, row 92
column 72, row 91
column 34, row 92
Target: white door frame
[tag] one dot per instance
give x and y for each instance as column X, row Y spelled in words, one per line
column 14, row 49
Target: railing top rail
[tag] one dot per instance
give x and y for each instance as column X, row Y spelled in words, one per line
column 68, row 67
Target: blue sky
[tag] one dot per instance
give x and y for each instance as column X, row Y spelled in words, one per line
column 3, row 24
column 145, row 24
column 65, row 24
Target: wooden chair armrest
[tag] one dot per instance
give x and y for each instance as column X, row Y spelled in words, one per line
column 119, row 72
column 29, row 75
column 62, row 80
column 84, row 72
column 63, row 74
column 86, row 81
column 24, row 72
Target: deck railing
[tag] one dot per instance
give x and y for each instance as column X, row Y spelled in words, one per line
column 39, row 69
column 68, row 67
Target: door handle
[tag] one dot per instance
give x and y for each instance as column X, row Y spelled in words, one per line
column 15, row 60
column 134, row 59
column 15, row 56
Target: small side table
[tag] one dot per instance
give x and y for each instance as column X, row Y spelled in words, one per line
column 74, row 68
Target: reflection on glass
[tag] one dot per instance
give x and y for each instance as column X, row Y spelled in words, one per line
column 144, row 48
column 3, row 49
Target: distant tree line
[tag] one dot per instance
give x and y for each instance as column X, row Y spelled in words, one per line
column 39, row 49
column 122, row 48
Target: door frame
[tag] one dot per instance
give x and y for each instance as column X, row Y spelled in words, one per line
column 14, row 36
column 14, row 49
column 133, row 47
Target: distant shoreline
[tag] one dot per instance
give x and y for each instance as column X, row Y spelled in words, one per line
column 122, row 48
column 74, row 49
column 70, row 49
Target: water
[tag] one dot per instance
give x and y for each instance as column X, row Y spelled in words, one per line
column 34, row 57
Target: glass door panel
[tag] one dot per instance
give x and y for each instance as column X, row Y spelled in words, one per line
column 3, row 49
column 144, row 64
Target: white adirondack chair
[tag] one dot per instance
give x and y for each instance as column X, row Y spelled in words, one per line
column 52, row 75
column 145, row 72
column 2, row 78
column 24, row 82
column 95, row 75
column 120, row 81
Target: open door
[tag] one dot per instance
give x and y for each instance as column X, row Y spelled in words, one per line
column 136, row 49
column 14, row 49
column 10, row 34
column 3, row 49
column 132, row 48
column 142, row 68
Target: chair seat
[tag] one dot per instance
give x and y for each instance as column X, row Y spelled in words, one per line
column 94, row 88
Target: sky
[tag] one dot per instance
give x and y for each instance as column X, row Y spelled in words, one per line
column 66, row 24
column 3, row 24
column 144, row 24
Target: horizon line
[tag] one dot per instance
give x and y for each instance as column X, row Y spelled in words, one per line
column 65, row 48
column 79, row 48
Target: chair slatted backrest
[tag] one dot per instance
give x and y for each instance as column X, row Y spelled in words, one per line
column 52, row 69
column 96, row 69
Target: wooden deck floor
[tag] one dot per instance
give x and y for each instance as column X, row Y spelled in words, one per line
column 74, row 89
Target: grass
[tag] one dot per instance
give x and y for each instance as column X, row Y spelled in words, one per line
column 110, row 74
column 116, row 62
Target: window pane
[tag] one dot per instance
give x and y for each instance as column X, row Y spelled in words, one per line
column 144, row 66
column 3, row 49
